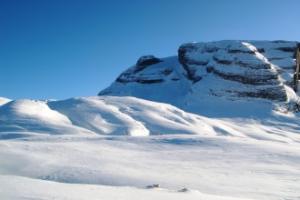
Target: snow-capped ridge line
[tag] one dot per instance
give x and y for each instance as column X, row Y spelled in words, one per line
column 230, row 69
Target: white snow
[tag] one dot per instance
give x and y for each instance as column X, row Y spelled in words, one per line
column 20, row 188
column 252, row 153
column 21, row 116
column 212, row 146
column 122, row 167
column 100, row 115
column 111, row 115
column 4, row 101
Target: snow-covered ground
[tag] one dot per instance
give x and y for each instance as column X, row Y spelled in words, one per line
column 227, row 130
column 121, row 167
column 83, row 148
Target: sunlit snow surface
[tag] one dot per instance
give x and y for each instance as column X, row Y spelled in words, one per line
column 83, row 148
column 3, row 100
column 207, row 141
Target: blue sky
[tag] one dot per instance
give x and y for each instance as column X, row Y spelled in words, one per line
column 65, row 48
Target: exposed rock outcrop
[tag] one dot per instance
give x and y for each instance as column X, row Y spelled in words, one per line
column 246, row 62
column 133, row 74
column 147, row 60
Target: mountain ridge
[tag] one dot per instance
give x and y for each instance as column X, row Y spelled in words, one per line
column 204, row 132
column 207, row 89
column 231, row 69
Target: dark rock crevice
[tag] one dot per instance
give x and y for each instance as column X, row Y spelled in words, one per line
column 185, row 62
column 270, row 79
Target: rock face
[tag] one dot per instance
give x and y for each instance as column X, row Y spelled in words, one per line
column 245, row 62
column 147, row 60
column 140, row 74
column 229, row 69
column 153, row 82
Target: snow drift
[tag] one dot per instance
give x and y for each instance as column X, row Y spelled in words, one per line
column 111, row 115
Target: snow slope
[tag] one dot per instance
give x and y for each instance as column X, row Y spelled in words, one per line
column 219, row 124
column 4, row 100
column 98, row 115
column 25, row 188
column 68, row 167
column 76, row 151
column 21, row 116
column 111, row 115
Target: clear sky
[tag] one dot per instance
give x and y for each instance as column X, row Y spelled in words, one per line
column 65, row 48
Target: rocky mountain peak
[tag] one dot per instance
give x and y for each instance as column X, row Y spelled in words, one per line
column 231, row 69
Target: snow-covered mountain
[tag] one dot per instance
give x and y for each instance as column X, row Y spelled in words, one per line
column 232, row 70
column 218, row 121
column 207, row 89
